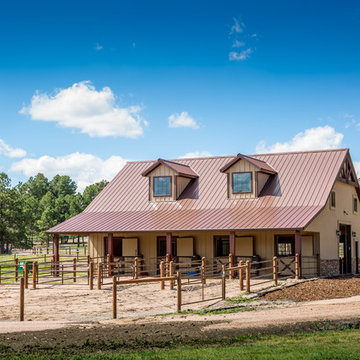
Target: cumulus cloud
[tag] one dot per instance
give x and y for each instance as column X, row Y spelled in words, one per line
column 182, row 120
column 82, row 107
column 9, row 151
column 241, row 55
column 318, row 138
column 196, row 154
column 85, row 169
column 357, row 168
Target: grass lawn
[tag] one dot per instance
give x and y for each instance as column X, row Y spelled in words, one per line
column 339, row 344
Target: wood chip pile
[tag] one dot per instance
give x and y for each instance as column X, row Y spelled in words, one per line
column 321, row 289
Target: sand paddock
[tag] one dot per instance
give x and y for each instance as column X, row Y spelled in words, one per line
column 76, row 303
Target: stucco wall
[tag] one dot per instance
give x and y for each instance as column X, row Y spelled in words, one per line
column 329, row 220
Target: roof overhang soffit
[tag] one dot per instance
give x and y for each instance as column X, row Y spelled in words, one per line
column 259, row 164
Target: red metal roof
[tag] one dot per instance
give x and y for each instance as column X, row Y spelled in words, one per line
column 290, row 199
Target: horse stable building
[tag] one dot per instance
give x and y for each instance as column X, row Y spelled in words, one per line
column 256, row 207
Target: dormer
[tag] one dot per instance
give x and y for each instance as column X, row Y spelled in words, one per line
column 168, row 179
column 246, row 176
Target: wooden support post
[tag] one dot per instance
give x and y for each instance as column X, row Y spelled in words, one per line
column 171, row 274
column 297, row 267
column 56, row 254
column 62, row 274
column 136, row 268
column 34, row 274
column 16, row 269
column 108, row 260
column 275, row 270
column 22, row 295
column 74, row 269
column 203, row 270
column 91, row 276
column 162, row 274
column 223, row 282
column 99, row 273
column 178, row 290
column 248, row 266
column 231, row 264
column 318, row 264
column 26, row 274
column 114, row 288
column 241, row 276
column 169, row 245
column 110, row 241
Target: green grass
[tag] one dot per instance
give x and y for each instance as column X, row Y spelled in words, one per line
column 240, row 300
column 338, row 344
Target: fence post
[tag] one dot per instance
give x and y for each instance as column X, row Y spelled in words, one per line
column 114, row 297
column 45, row 258
column 178, row 288
column 248, row 276
column 223, row 280
column 108, row 264
column 203, row 269
column 26, row 274
column 162, row 274
column 0, row 274
column 62, row 274
column 241, row 276
column 22, row 295
column 91, row 276
column 318, row 264
column 297, row 266
column 231, row 264
column 167, row 260
column 74, row 269
column 136, row 268
column 99, row 275
column 69, row 250
column 16, row 269
column 171, row 274
column 34, row 274
column 88, row 259
column 275, row 270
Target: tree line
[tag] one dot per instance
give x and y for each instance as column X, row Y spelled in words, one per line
column 28, row 209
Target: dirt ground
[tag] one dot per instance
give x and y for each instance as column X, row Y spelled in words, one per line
column 71, row 318
column 321, row 289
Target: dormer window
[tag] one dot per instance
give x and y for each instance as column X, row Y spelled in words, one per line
column 242, row 182
column 246, row 176
column 162, row 185
column 168, row 180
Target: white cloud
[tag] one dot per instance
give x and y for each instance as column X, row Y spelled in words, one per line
column 182, row 120
column 237, row 27
column 98, row 47
column 238, row 43
column 93, row 112
column 196, row 154
column 9, row 151
column 239, row 56
column 357, row 168
column 85, row 169
column 318, row 138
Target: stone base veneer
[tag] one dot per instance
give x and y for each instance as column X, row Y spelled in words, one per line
column 329, row 267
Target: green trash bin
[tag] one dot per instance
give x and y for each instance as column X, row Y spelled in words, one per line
column 21, row 266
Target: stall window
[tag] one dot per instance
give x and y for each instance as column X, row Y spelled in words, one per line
column 286, row 245
column 222, row 245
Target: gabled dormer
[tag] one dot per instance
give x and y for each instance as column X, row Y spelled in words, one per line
column 168, row 179
column 246, row 176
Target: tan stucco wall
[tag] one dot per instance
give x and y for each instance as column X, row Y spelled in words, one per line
column 329, row 220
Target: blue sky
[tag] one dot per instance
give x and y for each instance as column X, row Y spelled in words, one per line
column 86, row 85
